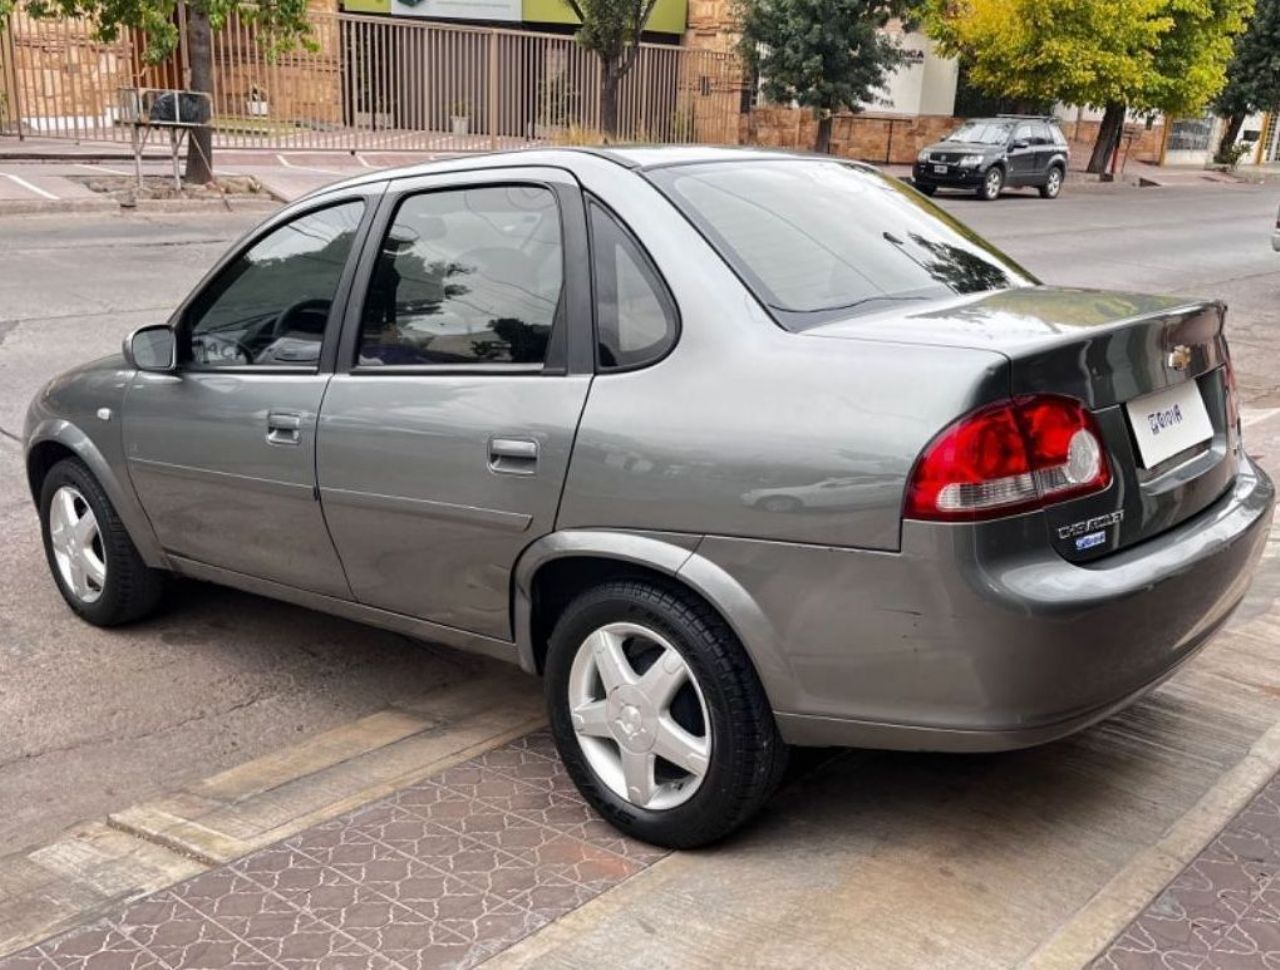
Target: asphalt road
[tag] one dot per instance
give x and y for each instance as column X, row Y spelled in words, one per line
column 92, row 721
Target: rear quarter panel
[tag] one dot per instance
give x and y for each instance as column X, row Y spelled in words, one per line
column 742, row 410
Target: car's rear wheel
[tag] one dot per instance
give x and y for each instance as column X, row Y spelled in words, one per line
column 658, row 714
column 1053, row 184
column 926, row 189
column 992, row 183
column 93, row 560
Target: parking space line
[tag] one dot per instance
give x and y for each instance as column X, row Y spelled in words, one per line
column 307, row 168
column 102, row 168
column 19, row 180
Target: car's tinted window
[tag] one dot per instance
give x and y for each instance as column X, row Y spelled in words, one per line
column 1022, row 133
column 1056, row 133
column 466, row 276
column 270, row 306
column 817, row 239
column 635, row 316
column 1040, row 134
column 981, row 132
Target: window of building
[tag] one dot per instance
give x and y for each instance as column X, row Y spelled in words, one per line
column 466, row 276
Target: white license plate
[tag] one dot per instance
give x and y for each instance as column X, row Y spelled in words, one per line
column 940, row 169
column 1168, row 421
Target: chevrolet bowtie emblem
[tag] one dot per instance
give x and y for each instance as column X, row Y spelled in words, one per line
column 1180, row 357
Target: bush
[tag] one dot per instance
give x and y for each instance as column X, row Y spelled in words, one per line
column 1230, row 155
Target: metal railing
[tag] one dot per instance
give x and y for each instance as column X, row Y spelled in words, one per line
column 373, row 83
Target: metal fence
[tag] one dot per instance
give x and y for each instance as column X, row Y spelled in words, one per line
column 372, row 83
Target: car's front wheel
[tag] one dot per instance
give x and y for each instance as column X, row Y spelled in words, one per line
column 926, row 189
column 93, row 560
column 992, row 183
column 658, row 713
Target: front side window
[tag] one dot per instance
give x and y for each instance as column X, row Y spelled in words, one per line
column 270, row 307
column 635, row 316
column 1022, row 133
column 466, row 276
column 819, row 240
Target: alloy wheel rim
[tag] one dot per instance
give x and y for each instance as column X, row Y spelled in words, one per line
column 993, row 182
column 639, row 715
column 77, row 544
column 1054, row 181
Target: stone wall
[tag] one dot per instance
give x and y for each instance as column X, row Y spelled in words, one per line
column 897, row 139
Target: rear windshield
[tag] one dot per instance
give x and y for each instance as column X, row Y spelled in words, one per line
column 816, row 240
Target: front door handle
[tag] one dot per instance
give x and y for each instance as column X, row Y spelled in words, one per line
column 513, row 456
column 284, row 427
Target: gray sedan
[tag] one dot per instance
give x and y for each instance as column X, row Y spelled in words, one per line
column 737, row 450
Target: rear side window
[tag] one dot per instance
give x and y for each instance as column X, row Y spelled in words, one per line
column 635, row 315
column 819, row 240
column 466, row 276
column 1058, row 137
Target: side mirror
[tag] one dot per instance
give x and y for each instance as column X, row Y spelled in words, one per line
column 152, row 348
column 1019, row 143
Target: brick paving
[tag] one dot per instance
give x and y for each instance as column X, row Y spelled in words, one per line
column 1222, row 911
column 445, row 873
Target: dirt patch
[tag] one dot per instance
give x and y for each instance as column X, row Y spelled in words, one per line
column 125, row 189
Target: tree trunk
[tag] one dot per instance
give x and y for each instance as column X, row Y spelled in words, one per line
column 200, row 51
column 1108, row 137
column 1234, row 124
column 609, row 99
column 822, row 144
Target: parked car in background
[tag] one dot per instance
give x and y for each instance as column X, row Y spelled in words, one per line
column 738, row 450
column 987, row 155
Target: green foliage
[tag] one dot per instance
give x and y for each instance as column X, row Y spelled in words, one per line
column 611, row 29
column 1166, row 55
column 280, row 23
column 1253, row 76
column 823, row 54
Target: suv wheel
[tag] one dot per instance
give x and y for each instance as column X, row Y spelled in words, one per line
column 992, row 183
column 92, row 558
column 926, row 189
column 1053, row 184
column 658, row 714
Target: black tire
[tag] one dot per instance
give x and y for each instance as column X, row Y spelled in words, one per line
column 748, row 757
column 1053, row 186
column 992, row 183
column 928, row 190
column 131, row 589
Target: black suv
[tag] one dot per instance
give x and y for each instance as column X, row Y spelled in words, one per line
column 986, row 154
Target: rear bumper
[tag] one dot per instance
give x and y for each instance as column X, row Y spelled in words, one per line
column 963, row 642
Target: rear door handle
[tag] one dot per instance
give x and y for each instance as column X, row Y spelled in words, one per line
column 513, row 456
column 284, row 427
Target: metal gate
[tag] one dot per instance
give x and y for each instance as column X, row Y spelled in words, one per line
column 372, row 83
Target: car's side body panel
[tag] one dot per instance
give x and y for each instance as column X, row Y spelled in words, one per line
column 81, row 411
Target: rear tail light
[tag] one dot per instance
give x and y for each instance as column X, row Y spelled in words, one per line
column 1009, row 457
column 1233, row 397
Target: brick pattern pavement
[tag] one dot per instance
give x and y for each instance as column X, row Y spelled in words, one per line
column 445, row 873
column 1223, row 911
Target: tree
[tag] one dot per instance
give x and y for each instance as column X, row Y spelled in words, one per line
column 1144, row 55
column 821, row 54
column 279, row 24
column 1253, row 76
column 611, row 30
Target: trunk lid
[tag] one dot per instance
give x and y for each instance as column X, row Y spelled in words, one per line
column 1116, row 352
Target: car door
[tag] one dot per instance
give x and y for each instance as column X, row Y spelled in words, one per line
column 446, row 432
column 1022, row 155
column 221, row 452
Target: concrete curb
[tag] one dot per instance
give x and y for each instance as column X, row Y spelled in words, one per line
column 96, row 867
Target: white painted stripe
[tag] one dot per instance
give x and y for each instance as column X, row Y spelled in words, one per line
column 28, row 186
column 306, row 168
column 1250, row 416
column 361, row 159
column 103, row 168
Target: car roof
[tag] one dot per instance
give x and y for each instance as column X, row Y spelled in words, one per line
column 633, row 157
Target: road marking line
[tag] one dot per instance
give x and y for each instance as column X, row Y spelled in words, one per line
column 306, row 168
column 27, row 185
column 361, row 159
column 102, row 168
column 1250, row 416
